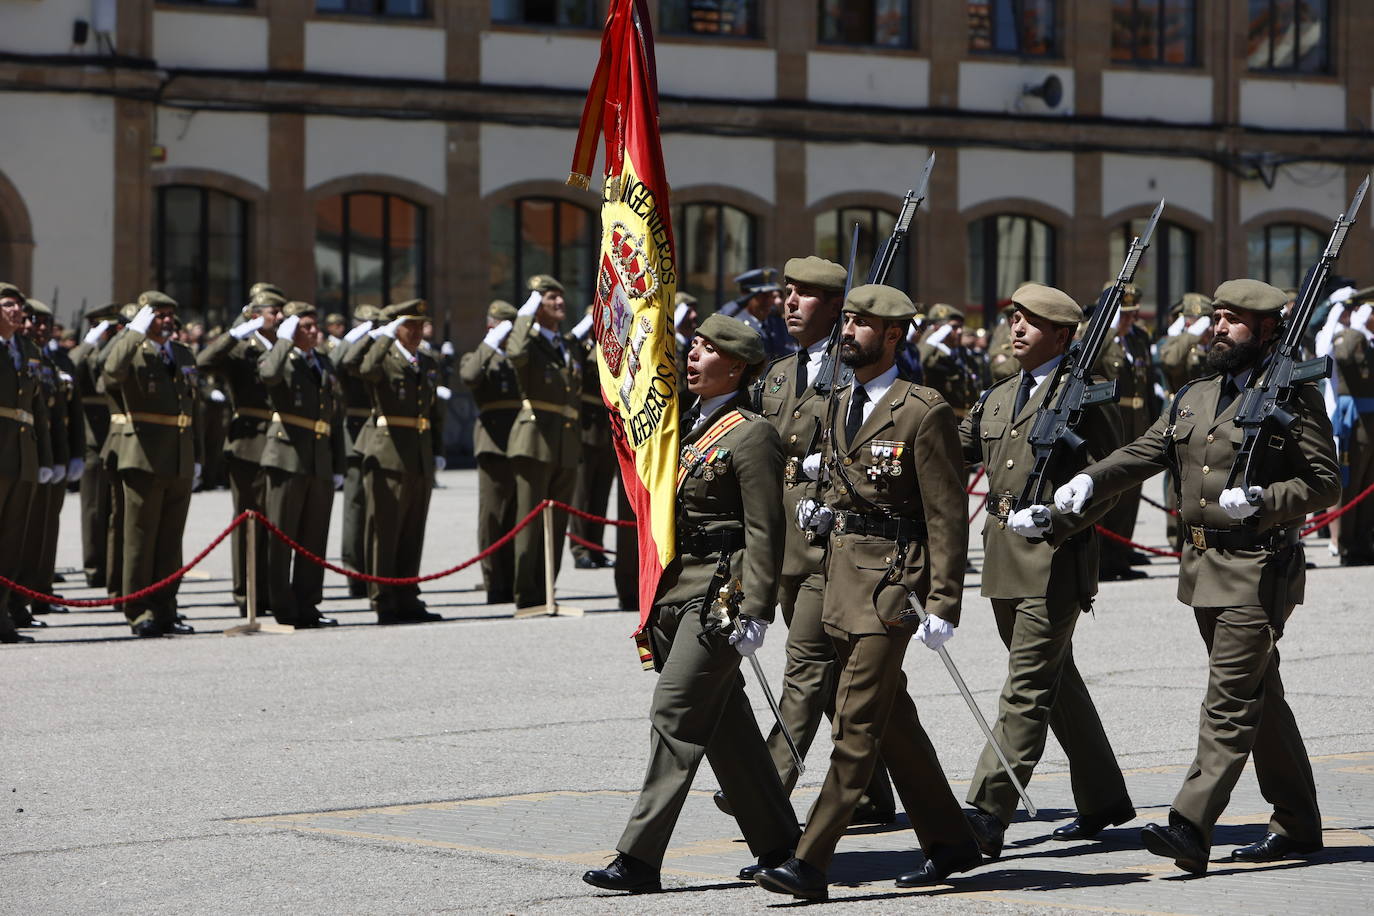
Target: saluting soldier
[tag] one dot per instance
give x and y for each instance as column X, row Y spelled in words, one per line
column 234, row 355
column 304, row 462
column 1127, row 359
column 1353, row 351
column 788, row 399
column 25, row 449
column 899, row 530
column 95, row 482
column 357, row 398
column 402, row 445
column 945, row 364
column 597, row 468
column 496, row 392
column 1242, row 570
column 1040, row 575
column 109, row 459
column 1183, row 356
column 729, row 537
column 545, row 445
column 1001, row 360
column 158, row 456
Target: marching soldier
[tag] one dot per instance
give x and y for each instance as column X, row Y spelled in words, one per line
column 899, row 532
column 728, row 522
column 357, row 399
column 234, row 355
column 25, row 449
column 1353, row 351
column 496, row 392
column 1243, row 578
column 158, row 456
column 597, row 468
column 544, row 445
column 95, row 482
column 1127, row 359
column 1039, row 587
column 401, row 445
column 304, row 462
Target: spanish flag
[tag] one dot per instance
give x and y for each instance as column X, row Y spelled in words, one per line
column 636, row 280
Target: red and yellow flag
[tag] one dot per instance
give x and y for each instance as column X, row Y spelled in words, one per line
column 636, row 280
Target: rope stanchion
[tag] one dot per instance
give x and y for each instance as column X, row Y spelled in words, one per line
column 550, row 607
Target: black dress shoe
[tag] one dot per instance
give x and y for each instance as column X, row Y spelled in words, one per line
column 940, row 864
column 990, row 832
column 178, row 629
column 1087, row 826
column 869, row 813
column 1273, row 847
column 10, row 637
column 1140, row 558
column 95, row 581
column 584, row 563
column 723, row 803
column 1124, row 575
column 146, row 629
column 794, row 877
column 32, row 621
column 767, row 860
column 1179, row 841
column 626, row 873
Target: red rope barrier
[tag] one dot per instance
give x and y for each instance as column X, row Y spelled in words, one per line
column 1160, row 506
column 1130, row 543
column 573, row 510
column 976, row 477
column 583, row 542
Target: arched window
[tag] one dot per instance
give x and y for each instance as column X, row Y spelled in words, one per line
column 1004, row 251
column 1166, row 272
column 715, row 244
column 835, row 229
column 543, row 235
column 200, row 249
column 369, row 248
column 1280, row 253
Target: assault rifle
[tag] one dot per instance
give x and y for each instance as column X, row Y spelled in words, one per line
column 1266, row 399
column 1054, row 428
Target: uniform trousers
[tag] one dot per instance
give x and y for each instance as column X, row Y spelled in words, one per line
column 114, row 533
column 496, row 516
column 32, row 548
column 353, row 546
column 536, row 481
column 298, row 504
column 1355, row 537
column 95, row 520
column 1044, row 692
column 47, row 561
column 16, row 496
column 595, row 471
column 248, row 487
column 875, row 714
column 626, row 551
column 397, row 511
column 700, row 710
column 1244, row 712
column 155, row 510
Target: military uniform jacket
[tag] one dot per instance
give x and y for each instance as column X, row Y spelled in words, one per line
column 160, row 404
column 306, row 431
column 496, row 392
column 736, row 488
column 595, row 419
column 546, row 428
column 1354, row 357
column 237, row 362
column 798, row 420
column 1063, row 566
column 1182, row 359
column 95, row 408
column 1298, row 473
column 25, row 445
column 64, row 415
column 949, row 376
column 405, row 430
column 929, row 489
column 357, row 399
column 109, row 388
column 1135, row 378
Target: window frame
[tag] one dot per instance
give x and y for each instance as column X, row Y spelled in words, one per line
column 159, row 271
column 1293, row 70
column 519, row 275
column 908, row 43
column 597, row 19
column 1297, row 228
column 683, row 244
column 1056, row 38
column 906, row 258
column 758, row 34
column 988, row 224
column 345, row 239
column 1158, row 259
column 426, row 15
column 1194, row 57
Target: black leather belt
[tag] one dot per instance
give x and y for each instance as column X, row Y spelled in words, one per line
column 892, row 527
column 1240, row 538
column 701, row 543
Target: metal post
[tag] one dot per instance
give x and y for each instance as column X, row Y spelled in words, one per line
column 251, row 584
column 547, row 517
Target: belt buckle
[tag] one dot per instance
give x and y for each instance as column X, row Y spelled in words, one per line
column 789, row 470
column 840, row 525
column 422, row 424
column 1199, row 536
column 321, row 427
column 183, row 420
column 1004, row 504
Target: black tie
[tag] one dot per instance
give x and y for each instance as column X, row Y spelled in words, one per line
column 14, row 354
column 801, row 372
column 168, row 360
column 689, row 420
column 315, row 368
column 856, row 413
column 1023, row 393
column 1228, row 394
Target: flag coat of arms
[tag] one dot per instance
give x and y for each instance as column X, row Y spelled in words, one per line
column 635, row 281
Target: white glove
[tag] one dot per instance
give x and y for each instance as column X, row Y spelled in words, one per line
column 936, row 339
column 934, row 631
column 811, row 466
column 75, row 468
column 65, row 377
column 532, row 303
column 94, row 334
column 143, row 319
column 440, row 462
column 195, row 475
column 59, row 473
column 338, row 481
column 1074, row 495
column 805, row 509
column 748, row 637
column 1236, row 503
column 354, row 335
column 496, row 337
column 447, row 348
column 443, row 392
column 287, row 329
column 583, row 327
column 217, row 396
column 44, row 474
column 1202, row 324
column 389, row 329
column 1177, row 327
column 247, row 329
column 1031, row 522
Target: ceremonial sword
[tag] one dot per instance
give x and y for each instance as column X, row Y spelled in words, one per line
column 772, row 703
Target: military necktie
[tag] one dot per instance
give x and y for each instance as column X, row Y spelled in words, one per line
column 689, row 420
column 314, row 364
column 14, row 354
column 801, row 372
column 856, row 413
column 167, row 359
column 1228, row 394
column 1023, row 393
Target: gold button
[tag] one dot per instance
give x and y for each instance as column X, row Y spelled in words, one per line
column 1202, row 502
column 796, row 414
column 1206, row 469
column 1211, row 438
column 839, row 542
column 792, row 438
column 1015, row 433
column 887, row 559
column 843, row 491
column 848, row 462
column 1002, row 525
column 1011, row 462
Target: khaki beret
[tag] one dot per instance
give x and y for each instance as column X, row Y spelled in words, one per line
column 1049, row 303
column 817, row 272
column 366, row 312
column 1129, row 291
column 10, row 291
column 733, row 338
column 878, row 301
column 410, row 310
column 37, row 307
column 1195, row 305
column 545, row 283
column 128, row 311
column 103, row 313
column 298, row 309
column 262, row 286
column 680, row 297
column 1250, row 296
column 942, row 312
column 501, row 310
column 156, row 299
column 265, row 299
column 334, row 318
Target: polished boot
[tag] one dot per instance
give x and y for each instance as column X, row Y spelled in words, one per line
column 1087, row 826
column 178, row 629
column 767, row 860
column 940, row 864
column 1179, row 841
column 1272, row 848
column 723, row 803
column 794, row 877
column 990, row 832
column 146, row 629
column 626, row 873
column 11, row 637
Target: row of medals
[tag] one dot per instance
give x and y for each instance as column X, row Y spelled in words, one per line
column 887, row 458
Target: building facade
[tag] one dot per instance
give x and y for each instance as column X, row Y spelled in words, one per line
column 372, row 150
